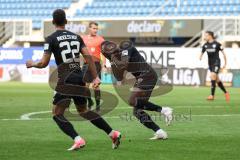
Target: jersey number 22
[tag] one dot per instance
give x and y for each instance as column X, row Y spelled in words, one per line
column 69, row 50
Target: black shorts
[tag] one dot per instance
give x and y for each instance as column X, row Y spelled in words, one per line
column 63, row 98
column 214, row 68
column 88, row 75
column 146, row 82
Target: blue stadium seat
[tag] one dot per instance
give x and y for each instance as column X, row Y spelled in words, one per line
column 122, row 8
column 37, row 10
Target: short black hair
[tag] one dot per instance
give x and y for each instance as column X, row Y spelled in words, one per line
column 210, row 33
column 92, row 23
column 59, row 17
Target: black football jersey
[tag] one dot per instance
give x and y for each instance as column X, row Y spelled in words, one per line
column 138, row 65
column 212, row 50
column 132, row 61
column 64, row 45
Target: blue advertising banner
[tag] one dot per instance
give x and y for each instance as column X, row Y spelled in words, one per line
column 236, row 78
column 21, row 55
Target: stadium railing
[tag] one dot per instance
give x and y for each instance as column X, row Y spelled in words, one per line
column 12, row 30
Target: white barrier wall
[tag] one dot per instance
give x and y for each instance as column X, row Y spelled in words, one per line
column 186, row 68
column 186, row 57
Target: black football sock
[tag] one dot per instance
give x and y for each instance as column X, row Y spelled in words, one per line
column 152, row 107
column 97, row 94
column 145, row 119
column 220, row 85
column 213, row 87
column 97, row 121
column 90, row 102
column 65, row 126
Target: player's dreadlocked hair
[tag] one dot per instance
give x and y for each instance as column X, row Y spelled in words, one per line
column 125, row 45
column 59, row 17
column 108, row 48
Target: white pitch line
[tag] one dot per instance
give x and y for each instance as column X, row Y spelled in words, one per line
column 19, row 119
column 118, row 117
column 38, row 119
column 215, row 115
column 26, row 116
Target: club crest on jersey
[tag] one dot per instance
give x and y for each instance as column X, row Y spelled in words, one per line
column 139, row 80
column 125, row 52
column 46, row 46
column 214, row 45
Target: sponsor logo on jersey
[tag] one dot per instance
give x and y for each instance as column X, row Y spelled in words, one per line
column 211, row 50
column 46, row 46
column 125, row 52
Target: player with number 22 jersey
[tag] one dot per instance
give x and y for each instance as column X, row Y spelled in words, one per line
column 66, row 48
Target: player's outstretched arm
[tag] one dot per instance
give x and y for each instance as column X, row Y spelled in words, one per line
column 89, row 61
column 117, row 72
column 103, row 62
column 225, row 59
column 203, row 51
column 91, row 66
column 40, row 64
column 119, row 65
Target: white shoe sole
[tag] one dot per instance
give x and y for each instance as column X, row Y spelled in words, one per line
column 75, row 149
column 158, row 138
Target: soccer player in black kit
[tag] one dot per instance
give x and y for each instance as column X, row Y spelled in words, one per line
column 66, row 48
column 212, row 47
column 125, row 57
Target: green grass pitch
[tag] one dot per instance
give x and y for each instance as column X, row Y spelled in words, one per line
column 201, row 130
